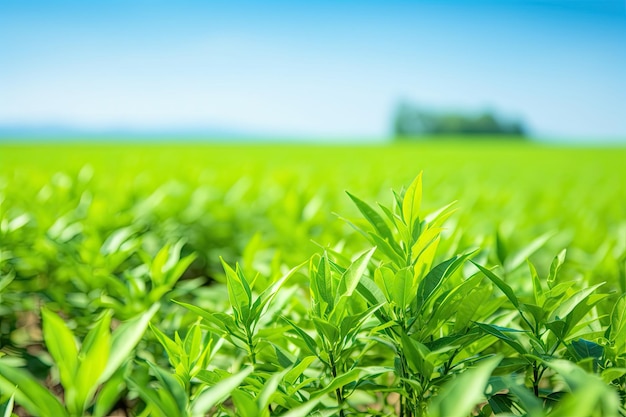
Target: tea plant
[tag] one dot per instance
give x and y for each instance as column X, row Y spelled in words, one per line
column 422, row 312
column 91, row 376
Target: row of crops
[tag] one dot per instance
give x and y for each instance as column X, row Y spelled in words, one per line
column 215, row 280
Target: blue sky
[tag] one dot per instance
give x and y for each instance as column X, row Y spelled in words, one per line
column 313, row 69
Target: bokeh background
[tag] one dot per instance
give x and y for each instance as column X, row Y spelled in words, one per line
column 319, row 71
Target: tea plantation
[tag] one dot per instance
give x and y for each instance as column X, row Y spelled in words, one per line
column 417, row 279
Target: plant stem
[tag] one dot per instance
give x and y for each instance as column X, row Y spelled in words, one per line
column 333, row 370
column 252, row 348
column 536, row 380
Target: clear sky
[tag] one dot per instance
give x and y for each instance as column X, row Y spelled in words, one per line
column 324, row 68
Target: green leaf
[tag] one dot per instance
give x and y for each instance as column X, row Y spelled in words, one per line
column 412, row 201
column 558, row 327
column 124, row 339
column 61, row 344
column 393, row 252
column 270, row 293
column 308, row 340
column 402, row 291
column 321, row 286
column 498, row 332
column 372, row 217
column 160, row 402
column 303, row 410
column 590, row 395
column 555, row 267
column 269, row 389
column 350, row 279
column 339, row 382
column 501, row 249
column 611, row 374
column 351, row 325
column 459, row 396
column 370, row 291
column 537, row 313
column 116, row 240
column 294, row 373
column 523, row 254
column 328, row 330
column 472, row 304
column 384, row 279
column 446, row 306
column 617, row 333
column 195, row 309
column 438, row 217
column 537, row 288
column 217, row 393
column 573, row 375
column 171, row 384
column 570, row 303
column 427, row 238
column 501, row 403
column 109, row 394
column 245, row 404
column 504, row 287
column 28, row 393
column 416, row 355
column 171, row 348
column 239, row 292
column 587, row 349
column 94, row 355
column 432, row 280
column 526, row 399
column 157, row 268
column 6, row 409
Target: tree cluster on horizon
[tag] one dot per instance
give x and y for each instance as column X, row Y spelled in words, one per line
column 410, row 120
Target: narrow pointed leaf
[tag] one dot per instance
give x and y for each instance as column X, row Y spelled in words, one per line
column 217, row 393
column 379, row 224
column 504, row 287
column 125, row 338
column 412, row 201
column 29, row 393
column 350, row 278
column 459, row 396
column 61, row 344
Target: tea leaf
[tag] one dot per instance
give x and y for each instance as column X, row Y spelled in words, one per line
column 308, row 340
column 303, row 410
column 617, row 331
column 432, row 281
column 171, row 385
column 94, row 355
column 497, row 332
column 402, row 291
column 412, row 201
column 379, row 224
column 61, row 344
column 124, row 339
column 350, row 278
column 28, row 393
column 217, row 393
column 6, row 408
column 522, row 255
column 504, row 287
column 555, row 267
column 160, row 402
column 459, row 396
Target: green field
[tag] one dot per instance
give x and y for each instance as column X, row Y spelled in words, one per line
column 112, row 233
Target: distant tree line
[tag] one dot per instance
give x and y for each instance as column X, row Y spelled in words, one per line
column 411, row 120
